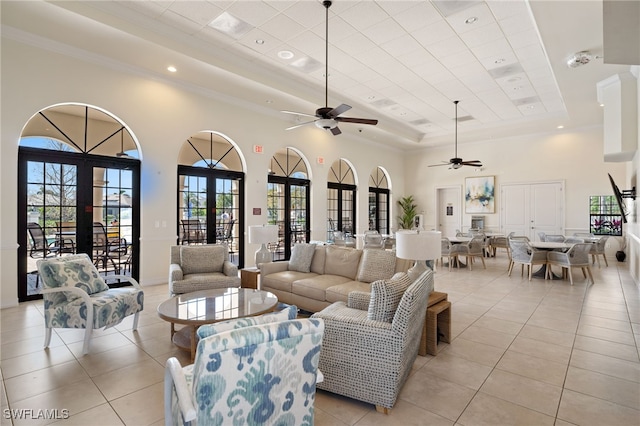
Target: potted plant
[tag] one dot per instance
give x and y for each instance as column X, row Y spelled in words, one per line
column 620, row 254
column 409, row 212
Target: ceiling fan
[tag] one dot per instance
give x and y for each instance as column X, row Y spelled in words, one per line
column 457, row 162
column 327, row 117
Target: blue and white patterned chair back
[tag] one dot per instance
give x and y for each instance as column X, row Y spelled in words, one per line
column 263, row 374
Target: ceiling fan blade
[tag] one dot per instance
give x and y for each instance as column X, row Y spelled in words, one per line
column 338, row 110
column 335, row 131
column 443, row 164
column 476, row 163
column 298, row 113
column 300, row 125
column 357, row 120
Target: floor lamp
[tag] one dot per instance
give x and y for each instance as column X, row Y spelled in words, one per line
column 263, row 234
column 422, row 246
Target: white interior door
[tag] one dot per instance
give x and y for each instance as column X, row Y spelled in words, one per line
column 449, row 217
column 531, row 208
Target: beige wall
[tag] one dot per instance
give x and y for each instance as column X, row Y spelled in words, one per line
column 162, row 117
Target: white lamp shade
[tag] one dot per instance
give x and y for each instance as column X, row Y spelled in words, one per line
column 422, row 245
column 263, row 234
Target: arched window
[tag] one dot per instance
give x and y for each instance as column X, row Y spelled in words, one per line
column 288, row 200
column 211, row 193
column 78, row 192
column 379, row 196
column 341, row 199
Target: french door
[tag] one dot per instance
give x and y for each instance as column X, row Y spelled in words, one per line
column 76, row 203
column 211, row 209
column 341, row 208
column 288, row 206
column 379, row 210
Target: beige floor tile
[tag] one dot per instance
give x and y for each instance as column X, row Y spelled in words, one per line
column 102, row 414
column 540, row 349
column 437, row 395
column 560, row 338
column 23, row 347
column 529, row 393
column 508, row 315
column 533, row 367
column 487, row 410
column 621, row 315
column 624, row 337
column 609, row 388
column 96, row 364
column 474, row 351
column 100, row 344
column 606, row 365
column 126, row 380
column 158, row 346
column 75, row 397
column 603, row 347
column 553, row 323
column 143, row 407
column 457, row 370
column 36, row 361
column 322, row 418
column 346, row 410
column 582, row 409
column 44, row 380
column 405, row 414
column 496, row 324
column 487, row 336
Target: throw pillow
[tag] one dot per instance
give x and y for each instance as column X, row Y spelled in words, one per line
column 342, row 261
column 288, row 313
column 385, row 296
column 376, row 264
column 202, row 259
column 301, row 257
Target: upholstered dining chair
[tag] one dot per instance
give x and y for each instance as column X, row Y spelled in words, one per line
column 598, row 249
column 446, row 250
column 76, row 296
column 522, row 253
column 554, row 238
column 248, row 373
column 576, row 257
column 372, row 239
column 471, row 250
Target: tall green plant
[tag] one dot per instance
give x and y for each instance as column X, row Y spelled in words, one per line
column 409, row 212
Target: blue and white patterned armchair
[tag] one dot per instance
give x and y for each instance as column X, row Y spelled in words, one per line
column 76, row 296
column 261, row 374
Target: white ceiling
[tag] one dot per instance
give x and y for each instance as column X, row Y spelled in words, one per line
column 401, row 62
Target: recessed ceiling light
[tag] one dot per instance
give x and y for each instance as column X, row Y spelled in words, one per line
column 561, row 127
column 259, row 41
column 601, row 105
column 471, row 20
column 171, row 68
column 285, row 54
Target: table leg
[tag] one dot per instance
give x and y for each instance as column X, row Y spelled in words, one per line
column 193, row 343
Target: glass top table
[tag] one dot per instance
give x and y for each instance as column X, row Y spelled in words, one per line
column 210, row 306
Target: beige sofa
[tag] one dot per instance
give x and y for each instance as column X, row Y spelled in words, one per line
column 333, row 273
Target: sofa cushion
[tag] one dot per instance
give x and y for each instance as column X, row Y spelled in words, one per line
column 288, row 313
column 385, row 296
column 315, row 288
column 375, row 265
column 340, row 292
column 301, row 256
column 200, row 259
column 342, row 261
column 282, row 280
column 317, row 263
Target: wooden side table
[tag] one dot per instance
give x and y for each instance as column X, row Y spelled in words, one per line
column 430, row 328
column 249, row 277
column 438, row 319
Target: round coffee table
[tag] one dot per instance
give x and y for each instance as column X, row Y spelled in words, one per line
column 210, row 306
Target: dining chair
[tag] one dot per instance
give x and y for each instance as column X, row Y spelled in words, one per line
column 372, row 239
column 576, row 257
column 542, row 236
column 598, row 249
column 471, row 250
column 446, row 250
column 573, row 240
column 524, row 254
column 554, row 238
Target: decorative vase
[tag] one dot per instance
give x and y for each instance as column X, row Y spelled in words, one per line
column 621, row 256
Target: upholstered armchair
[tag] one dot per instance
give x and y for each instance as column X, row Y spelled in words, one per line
column 248, row 372
column 201, row 267
column 76, row 296
column 371, row 342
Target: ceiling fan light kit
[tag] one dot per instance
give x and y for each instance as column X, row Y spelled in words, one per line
column 457, row 162
column 326, row 117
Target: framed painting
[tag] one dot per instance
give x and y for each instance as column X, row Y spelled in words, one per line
column 479, row 194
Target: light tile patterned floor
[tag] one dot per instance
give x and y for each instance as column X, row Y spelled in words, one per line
column 539, row 352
